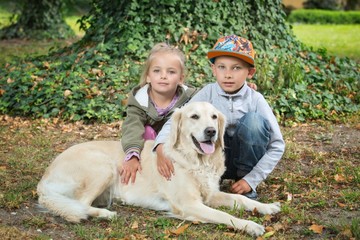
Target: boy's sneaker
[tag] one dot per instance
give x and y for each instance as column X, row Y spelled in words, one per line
column 252, row 195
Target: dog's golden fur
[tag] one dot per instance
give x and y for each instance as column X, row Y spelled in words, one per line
column 86, row 175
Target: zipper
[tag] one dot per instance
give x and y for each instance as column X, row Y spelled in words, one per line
column 231, row 104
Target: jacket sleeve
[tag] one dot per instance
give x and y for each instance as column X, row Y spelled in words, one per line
column 133, row 129
column 274, row 150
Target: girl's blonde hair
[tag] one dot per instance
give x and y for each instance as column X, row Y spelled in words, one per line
column 161, row 48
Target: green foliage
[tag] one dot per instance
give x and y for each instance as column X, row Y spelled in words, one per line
column 312, row 16
column 38, row 20
column 314, row 87
column 322, row 4
column 89, row 80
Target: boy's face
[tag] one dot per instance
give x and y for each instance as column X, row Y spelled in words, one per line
column 231, row 73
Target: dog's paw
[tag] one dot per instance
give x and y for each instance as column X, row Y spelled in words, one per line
column 104, row 213
column 274, row 207
column 254, row 229
column 270, row 208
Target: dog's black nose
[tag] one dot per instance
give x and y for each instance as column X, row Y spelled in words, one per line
column 210, row 131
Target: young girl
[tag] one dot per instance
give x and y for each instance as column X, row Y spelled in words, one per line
column 151, row 104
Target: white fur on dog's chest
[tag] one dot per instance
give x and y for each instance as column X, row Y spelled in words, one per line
column 206, row 177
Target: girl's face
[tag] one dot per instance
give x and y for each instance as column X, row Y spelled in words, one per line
column 165, row 73
column 231, row 73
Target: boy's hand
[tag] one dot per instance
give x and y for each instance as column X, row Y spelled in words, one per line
column 164, row 165
column 252, row 85
column 240, row 187
column 129, row 169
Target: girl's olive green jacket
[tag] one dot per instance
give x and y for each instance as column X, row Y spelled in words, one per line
column 141, row 112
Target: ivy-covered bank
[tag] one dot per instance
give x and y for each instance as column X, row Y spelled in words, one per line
column 89, row 80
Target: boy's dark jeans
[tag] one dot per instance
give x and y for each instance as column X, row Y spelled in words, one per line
column 245, row 144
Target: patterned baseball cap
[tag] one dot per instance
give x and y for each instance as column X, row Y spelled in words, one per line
column 234, row 46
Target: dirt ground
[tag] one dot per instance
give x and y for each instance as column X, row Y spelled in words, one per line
column 337, row 139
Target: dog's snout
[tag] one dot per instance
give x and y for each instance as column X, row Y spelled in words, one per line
column 210, row 131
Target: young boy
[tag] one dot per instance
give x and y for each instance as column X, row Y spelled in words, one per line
column 253, row 141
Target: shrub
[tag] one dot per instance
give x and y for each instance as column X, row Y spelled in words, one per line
column 90, row 80
column 324, row 17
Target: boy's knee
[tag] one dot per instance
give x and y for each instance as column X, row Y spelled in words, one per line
column 253, row 127
column 254, row 122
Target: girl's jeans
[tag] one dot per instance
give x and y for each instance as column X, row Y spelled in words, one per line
column 245, row 144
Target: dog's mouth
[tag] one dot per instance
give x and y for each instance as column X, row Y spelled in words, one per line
column 206, row 147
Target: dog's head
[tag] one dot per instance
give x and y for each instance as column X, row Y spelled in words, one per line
column 198, row 125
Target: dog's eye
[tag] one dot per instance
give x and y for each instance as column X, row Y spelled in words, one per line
column 214, row 116
column 195, row 116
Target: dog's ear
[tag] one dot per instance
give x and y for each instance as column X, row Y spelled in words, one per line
column 175, row 127
column 221, row 127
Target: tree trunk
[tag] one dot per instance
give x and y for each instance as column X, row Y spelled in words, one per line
column 39, row 19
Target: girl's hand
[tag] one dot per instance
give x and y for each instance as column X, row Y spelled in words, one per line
column 252, row 85
column 164, row 165
column 129, row 169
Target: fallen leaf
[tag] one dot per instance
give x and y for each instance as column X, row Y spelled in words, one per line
column 194, row 47
column 267, row 217
column 303, row 54
column 268, row 234
column 229, row 234
column 316, row 228
column 135, row 225
column 278, row 226
column 180, row 230
column 339, row 178
column 47, row 65
column 255, row 211
column 269, row 229
column 139, row 236
column 347, row 232
column 67, row 93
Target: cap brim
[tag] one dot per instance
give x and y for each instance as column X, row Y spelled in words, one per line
column 212, row 54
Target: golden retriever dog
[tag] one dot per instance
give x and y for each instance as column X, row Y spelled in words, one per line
column 86, row 176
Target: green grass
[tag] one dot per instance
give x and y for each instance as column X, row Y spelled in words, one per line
column 307, row 173
column 339, row 40
column 21, row 49
column 72, row 22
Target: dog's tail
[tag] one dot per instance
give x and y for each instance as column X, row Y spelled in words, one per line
column 59, row 204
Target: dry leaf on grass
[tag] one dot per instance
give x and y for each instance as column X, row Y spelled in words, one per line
column 179, row 230
column 316, row 228
column 339, row 178
column 135, row 225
